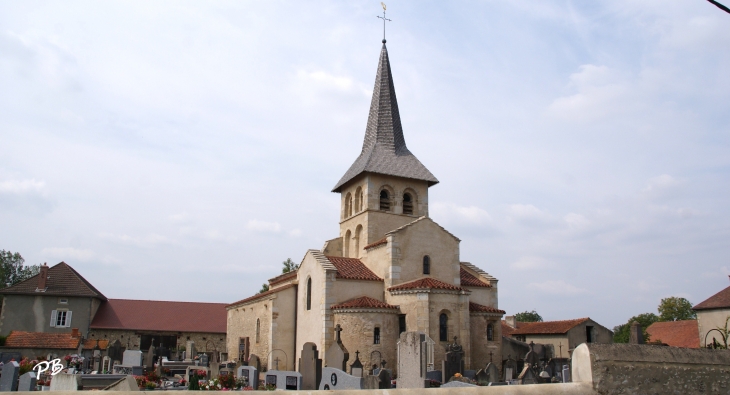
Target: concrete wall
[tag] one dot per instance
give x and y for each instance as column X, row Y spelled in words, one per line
column 708, row 320
column 32, row 313
column 630, row 369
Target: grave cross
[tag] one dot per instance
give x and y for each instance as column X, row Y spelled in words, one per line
column 560, row 346
column 276, row 363
column 382, row 364
column 338, row 329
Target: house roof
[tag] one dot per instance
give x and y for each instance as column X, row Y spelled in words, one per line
column 89, row 344
column 155, row 315
column 675, row 333
column 20, row 339
column 261, row 295
column 363, row 302
column 425, row 283
column 719, row 300
column 63, row 280
column 548, row 327
column 384, row 148
column 469, row 280
column 478, row 308
column 352, row 269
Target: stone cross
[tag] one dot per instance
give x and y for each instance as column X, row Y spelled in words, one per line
column 276, row 363
column 338, row 329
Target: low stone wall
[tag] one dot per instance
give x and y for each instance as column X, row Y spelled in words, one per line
column 629, row 369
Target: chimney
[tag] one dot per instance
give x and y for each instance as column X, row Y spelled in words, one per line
column 510, row 320
column 75, row 332
column 42, row 277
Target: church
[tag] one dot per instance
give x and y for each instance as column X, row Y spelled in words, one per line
column 391, row 269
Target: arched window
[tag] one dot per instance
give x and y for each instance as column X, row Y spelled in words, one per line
column 358, row 200
column 384, row 200
column 349, row 211
column 358, row 234
column 490, row 332
column 443, row 327
column 362, row 201
column 346, row 243
column 376, row 335
column 309, row 293
column 426, row 264
column 348, row 205
column 407, row 204
column 258, row 329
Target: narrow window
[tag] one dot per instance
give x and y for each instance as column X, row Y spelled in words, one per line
column 490, row 332
column 358, row 200
column 589, row 334
column 426, row 265
column 376, row 336
column 401, row 323
column 309, row 293
column 258, row 329
column 359, row 208
column 407, row 204
column 384, row 200
column 444, row 327
column 348, row 205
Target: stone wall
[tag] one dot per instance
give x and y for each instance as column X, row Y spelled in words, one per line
column 480, row 346
column 133, row 338
column 358, row 335
column 630, row 369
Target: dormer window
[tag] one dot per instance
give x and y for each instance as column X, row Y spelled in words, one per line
column 384, row 200
column 407, row 204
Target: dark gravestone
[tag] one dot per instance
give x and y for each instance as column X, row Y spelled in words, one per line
column 492, row 373
column 271, row 379
column 337, row 355
column 509, row 369
column 435, row 375
column 27, row 382
column 385, row 378
column 482, row 378
column 203, row 361
column 310, row 367
column 470, row 374
column 291, row 382
column 453, row 361
column 115, row 351
column 254, row 361
column 9, row 379
column 636, row 336
column 356, row 367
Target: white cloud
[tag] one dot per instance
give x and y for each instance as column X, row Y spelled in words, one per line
column 263, row 226
column 527, row 213
column 599, row 90
column 576, row 220
column 23, row 187
column 531, row 263
column 471, row 215
column 556, row 287
column 149, row 240
column 661, row 184
column 68, row 254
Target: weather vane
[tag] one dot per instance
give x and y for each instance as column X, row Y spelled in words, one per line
column 384, row 19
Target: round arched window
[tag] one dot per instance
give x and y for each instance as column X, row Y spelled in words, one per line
column 407, row 204
column 384, row 200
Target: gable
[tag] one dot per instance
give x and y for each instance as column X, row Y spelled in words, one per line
column 63, row 280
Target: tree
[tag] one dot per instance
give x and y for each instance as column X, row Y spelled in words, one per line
column 12, row 270
column 289, row 266
column 264, row 288
column 621, row 332
column 528, row 316
column 676, row 309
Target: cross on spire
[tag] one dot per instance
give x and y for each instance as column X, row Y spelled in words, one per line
column 384, row 19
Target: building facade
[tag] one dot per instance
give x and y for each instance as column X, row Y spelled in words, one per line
column 713, row 317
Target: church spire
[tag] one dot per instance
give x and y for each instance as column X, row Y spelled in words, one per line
column 384, row 148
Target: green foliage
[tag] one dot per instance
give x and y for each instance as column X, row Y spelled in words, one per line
column 676, row 309
column 2, row 340
column 194, row 385
column 528, row 316
column 12, row 270
column 621, row 332
column 289, row 266
column 264, row 288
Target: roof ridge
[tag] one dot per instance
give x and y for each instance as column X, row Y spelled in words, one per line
column 419, row 219
column 163, row 301
column 80, row 277
column 478, row 270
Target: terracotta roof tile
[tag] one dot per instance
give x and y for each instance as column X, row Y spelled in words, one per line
column 548, row 327
column 675, row 333
column 380, row 242
column 20, row 339
column 425, row 283
column 364, row 302
column 717, row 301
column 63, row 280
column 155, row 315
column 352, row 269
column 89, row 344
column 260, row 295
column 478, row 308
column 469, row 280
column 283, row 277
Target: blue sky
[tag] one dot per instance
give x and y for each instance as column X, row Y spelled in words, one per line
column 182, row 150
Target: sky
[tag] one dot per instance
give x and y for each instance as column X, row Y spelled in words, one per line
column 181, row 150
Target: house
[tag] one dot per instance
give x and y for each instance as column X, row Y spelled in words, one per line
column 391, row 269
column 675, row 333
column 712, row 316
column 564, row 336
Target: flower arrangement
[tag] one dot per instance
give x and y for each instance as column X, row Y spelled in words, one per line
column 247, row 388
column 267, row 387
column 141, row 381
column 26, row 365
column 166, row 371
column 152, row 376
column 211, row 385
column 227, row 381
column 201, row 373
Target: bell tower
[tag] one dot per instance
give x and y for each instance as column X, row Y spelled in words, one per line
column 387, row 186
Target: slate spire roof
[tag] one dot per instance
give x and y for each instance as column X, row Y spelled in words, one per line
column 384, row 149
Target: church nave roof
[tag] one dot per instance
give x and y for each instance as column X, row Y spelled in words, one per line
column 364, row 302
column 352, row 269
column 425, row 283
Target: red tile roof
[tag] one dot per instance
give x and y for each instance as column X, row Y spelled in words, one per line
column 675, row 333
column 380, row 242
column 154, row 315
column 352, row 269
column 717, row 301
column 478, row 308
column 89, row 344
column 425, row 283
column 282, row 278
column 469, row 280
column 261, row 295
column 548, row 327
column 63, row 280
column 508, row 330
column 364, row 302
column 20, row 339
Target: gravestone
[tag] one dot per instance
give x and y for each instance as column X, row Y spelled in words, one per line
column 434, row 375
column 375, row 359
column 370, row 382
column 66, row 382
column 492, row 373
column 250, row 376
column 9, row 378
column 132, row 358
column 215, row 366
column 127, row 383
column 115, row 352
column 190, row 351
column 528, row 375
column 636, row 336
column 27, row 382
column 482, row 378
column 470, row 374
column 284, row 379
column 566, row 374
column 453, row 361
column 356, row 367
column 456, row 383
column 254, row 361
column 510, row 368
column 203, row 361
column 384, row 377
column 310, row 366
column 337, row 355
column 149, row 360
column 336, row 379
column 412, row 359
